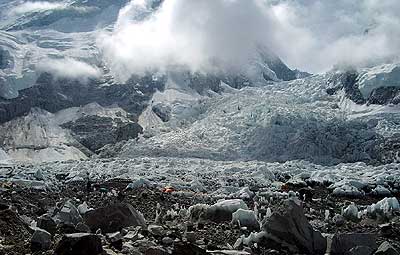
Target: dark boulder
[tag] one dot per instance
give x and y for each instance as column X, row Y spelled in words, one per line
column 41, row 240
column 292, row 227
column 114, row 217
column 343, row 243
column 47, row 223
column 79, row 244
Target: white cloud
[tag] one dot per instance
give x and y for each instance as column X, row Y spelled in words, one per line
column 69, row 68
column 30, row 6
column 313, row 35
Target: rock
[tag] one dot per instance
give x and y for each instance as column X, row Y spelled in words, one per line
column 68, row 215
column 351, row 212
column 156, row 230
column 41, row 240
column 47, row 223
column 223, row 210
column 84, row 208
column 361, row 250
column 156, row 251
column 79, row 244
column 306, row 194
column 386, row 249
column 82, row 228
column 167, row 240
column 188, row 248
column 198, row 212
column 339, row 220
column 291, row 226
column 190, row 236
column 114, row 217
column 342, row 243
column 163, row 111
column 246, row 218
column 114, row 237
column 94, row 131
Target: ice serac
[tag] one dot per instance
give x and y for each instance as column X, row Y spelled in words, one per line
column 387, row 75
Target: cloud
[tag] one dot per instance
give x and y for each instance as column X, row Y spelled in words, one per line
column 313, row 35
column 29, row 6
column 69, row 68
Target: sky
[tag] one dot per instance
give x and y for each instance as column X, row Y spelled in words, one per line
column 311, row 35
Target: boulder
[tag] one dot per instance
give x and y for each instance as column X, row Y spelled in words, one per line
column 79, row 244
column 114, row 217
column 41, row 240
column 292, row 227
column 342, row 243
column 188, row 248
column 246, row 218
column 68, row 215
column 361, row 250
column 223, row 210
column 386, row 249
column 47, row 223
column 82, row 228
column 156, row 230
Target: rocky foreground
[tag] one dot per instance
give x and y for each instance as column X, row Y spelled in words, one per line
column 124, row 217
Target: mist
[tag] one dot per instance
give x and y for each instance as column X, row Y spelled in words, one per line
column 311, row 35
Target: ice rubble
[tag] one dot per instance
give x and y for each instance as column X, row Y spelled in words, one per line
column 384, row 207
column 285, row 121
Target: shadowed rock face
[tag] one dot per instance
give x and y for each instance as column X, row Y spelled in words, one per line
column 94, row 131
column 348, row 82
column 54, row 95
column 6, row 60
column 385, row 95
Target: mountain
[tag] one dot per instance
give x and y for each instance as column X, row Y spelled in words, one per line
column 49, row 60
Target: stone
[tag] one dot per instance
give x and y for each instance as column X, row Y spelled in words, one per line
column 114, row 237
column 386, row 249
column 82, row 228
column 84, row 208
column 167, row 240
column 156, row 251
column 79, row 244
column 41, row 240
column 156, row 230
column 114, row 217
column 223, row 210
column 342, row 243
column 339, row 220
column 163, row 111
column 246, row 218
column 188, row 248
column 360, row 250
column 292, row 227
column 47, row 223
column 68, row 215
